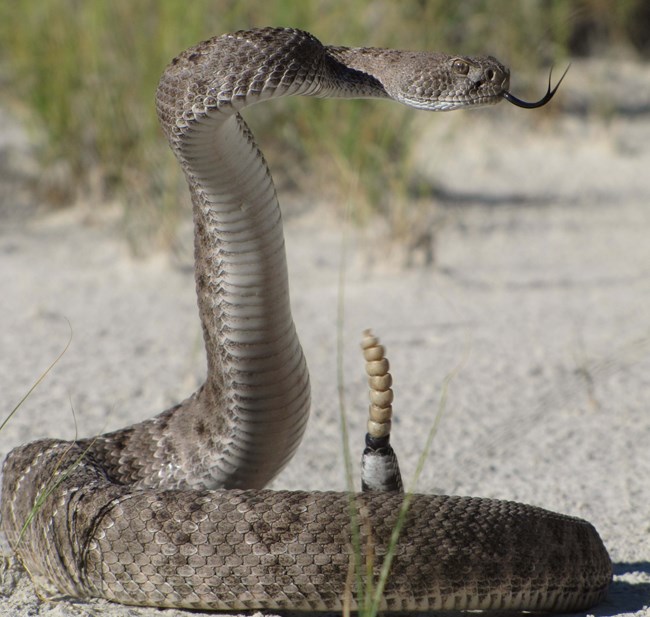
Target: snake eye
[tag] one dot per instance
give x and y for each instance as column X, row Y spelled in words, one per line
column 460, row 66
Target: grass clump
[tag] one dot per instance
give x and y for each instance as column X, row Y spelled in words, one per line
column 87, row 73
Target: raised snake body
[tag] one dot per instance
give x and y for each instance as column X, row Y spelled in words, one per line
column 170, row 512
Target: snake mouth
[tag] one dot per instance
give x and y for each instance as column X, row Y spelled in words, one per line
column 550, row 93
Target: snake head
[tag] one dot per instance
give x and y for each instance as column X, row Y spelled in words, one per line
column 442, row 82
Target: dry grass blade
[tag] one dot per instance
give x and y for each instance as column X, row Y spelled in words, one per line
column 39, row 380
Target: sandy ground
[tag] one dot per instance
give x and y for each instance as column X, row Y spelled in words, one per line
column 540, row 287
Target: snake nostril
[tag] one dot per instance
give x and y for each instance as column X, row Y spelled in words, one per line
column 489, row 74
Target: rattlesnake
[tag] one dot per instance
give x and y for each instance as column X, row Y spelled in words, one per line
column 172, row 511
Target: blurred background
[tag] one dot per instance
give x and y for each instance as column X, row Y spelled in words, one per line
column 79, row 79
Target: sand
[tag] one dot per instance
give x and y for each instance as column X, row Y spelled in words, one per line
column 539, row 291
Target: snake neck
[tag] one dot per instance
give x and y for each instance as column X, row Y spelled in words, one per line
column 253, row 408
column 257, row 386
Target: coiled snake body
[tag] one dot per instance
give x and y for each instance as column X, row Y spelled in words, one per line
column 171, row 511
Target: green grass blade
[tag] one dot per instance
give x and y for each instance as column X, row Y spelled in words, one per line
column 340, row 382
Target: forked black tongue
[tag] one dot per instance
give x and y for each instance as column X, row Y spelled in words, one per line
column 545, row 99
